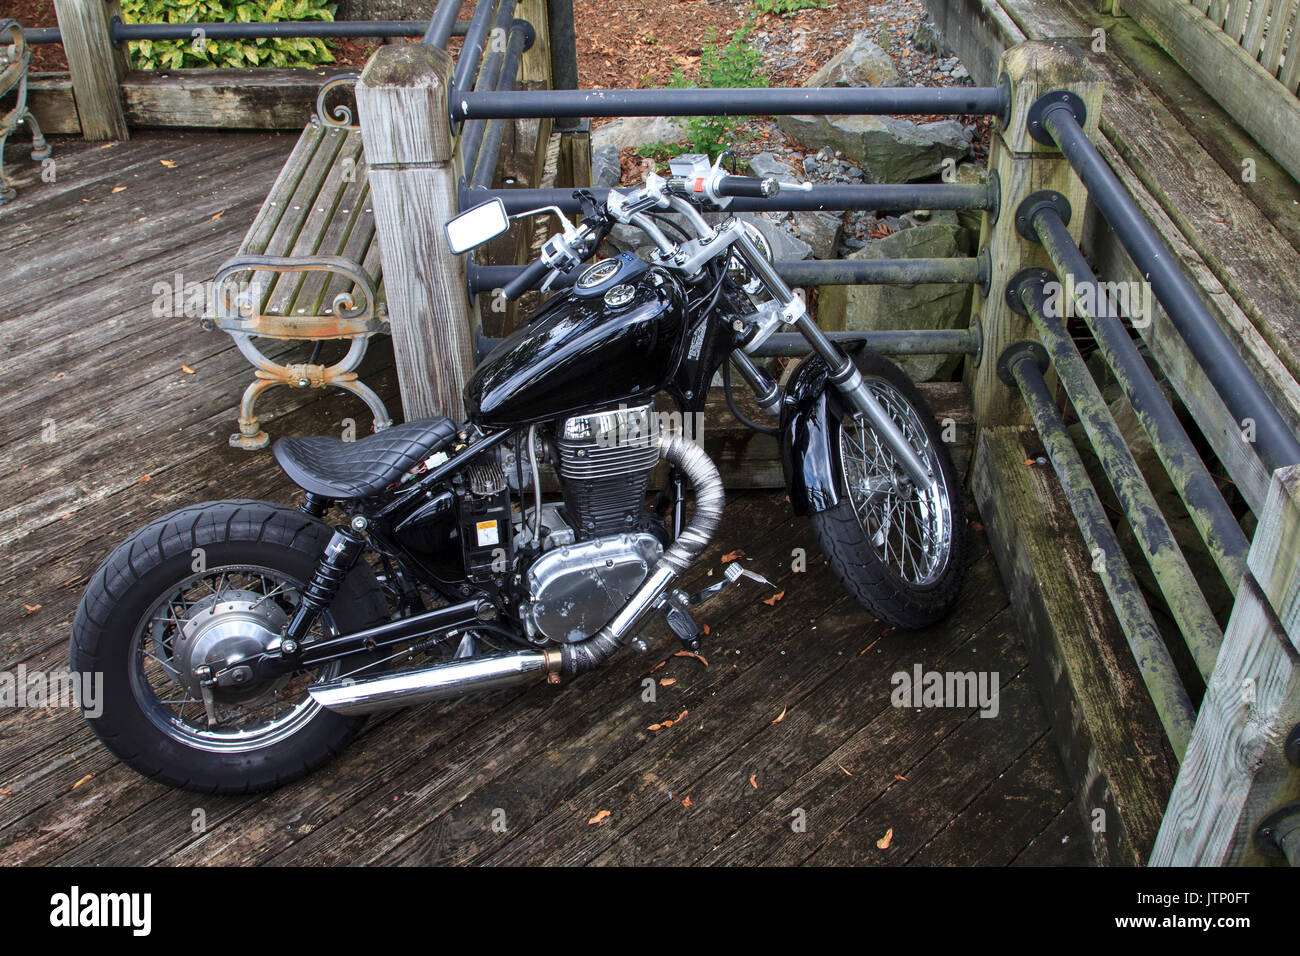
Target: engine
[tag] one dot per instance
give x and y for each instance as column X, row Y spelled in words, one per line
column 598, row 546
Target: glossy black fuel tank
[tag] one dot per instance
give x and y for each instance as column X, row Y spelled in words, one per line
column 579, row 352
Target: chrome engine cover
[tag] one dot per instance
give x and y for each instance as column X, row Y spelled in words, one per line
column 576, row 589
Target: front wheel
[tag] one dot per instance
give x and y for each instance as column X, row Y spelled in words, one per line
column 900, row 551
column 194, row 588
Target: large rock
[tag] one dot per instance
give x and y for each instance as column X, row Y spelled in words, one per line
column 821, row 230
column 635, row 131
column 765, row 165
column 606, row 166
column 888, row 149
column 861, row 63
column 929, row 306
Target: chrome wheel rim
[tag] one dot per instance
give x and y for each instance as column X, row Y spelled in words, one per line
column 206, row 615
column 909, row 529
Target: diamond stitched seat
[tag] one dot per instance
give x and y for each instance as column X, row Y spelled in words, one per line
column 358, row 469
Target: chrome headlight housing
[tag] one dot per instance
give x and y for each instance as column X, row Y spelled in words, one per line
column 736, row 269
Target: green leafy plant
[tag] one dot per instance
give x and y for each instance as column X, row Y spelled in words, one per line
column 722, row 65
column 788, row 8
column 201, row 50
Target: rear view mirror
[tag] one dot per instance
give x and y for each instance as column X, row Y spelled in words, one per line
column 476, row 226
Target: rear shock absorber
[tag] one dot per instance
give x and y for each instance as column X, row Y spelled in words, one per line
column 339, row 557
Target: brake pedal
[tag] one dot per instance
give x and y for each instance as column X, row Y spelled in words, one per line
column 732, row 572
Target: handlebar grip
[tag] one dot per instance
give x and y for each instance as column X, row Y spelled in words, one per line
column 747, row 187
column 532, row 274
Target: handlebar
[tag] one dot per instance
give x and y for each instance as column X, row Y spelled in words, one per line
column 747, row 187
column 532, row 274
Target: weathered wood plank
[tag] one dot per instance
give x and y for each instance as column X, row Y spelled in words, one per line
column 1107, row 729
column 255, row 98
column 1249, row 91
column 402, row 99
column 1235, row 770
column 95, row 65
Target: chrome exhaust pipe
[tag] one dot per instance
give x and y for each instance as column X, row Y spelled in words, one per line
column 439, row 682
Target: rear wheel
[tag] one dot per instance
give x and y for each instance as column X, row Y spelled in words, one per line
column 202, row 585
column 899, row 550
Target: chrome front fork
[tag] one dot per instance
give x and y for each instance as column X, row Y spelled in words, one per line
column 844, row 374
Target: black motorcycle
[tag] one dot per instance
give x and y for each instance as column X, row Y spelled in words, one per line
column 241, row 643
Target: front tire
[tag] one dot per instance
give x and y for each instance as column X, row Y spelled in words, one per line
column 900, row 553
column 151, row 606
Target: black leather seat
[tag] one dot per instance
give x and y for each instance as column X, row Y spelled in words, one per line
column 343, row 470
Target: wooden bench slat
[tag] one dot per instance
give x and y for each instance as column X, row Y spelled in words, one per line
column 312, row 235
column 298, row 207
column 277, row 200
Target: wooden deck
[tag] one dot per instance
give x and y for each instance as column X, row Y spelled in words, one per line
column 114, row 415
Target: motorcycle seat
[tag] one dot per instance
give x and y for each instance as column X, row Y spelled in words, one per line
column 344, row 470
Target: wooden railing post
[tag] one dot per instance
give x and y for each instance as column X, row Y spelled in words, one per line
column 1235, row 771
column 402, row 102
column 95, row 65
column 1023, row 166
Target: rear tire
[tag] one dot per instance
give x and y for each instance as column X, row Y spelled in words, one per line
column 111, row 624
column 876, row 572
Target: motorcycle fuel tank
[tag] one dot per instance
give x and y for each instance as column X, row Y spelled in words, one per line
column 616, row 339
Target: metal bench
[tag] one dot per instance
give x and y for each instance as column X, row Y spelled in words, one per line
column 15, row 56
column 308, row 270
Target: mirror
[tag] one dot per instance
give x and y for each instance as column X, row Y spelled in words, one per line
column 476, row 226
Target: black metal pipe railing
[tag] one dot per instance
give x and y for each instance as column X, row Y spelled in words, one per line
column 471, row 51
column 1205, row 505
column 884, row 341
column 489, row 77
column 1246, row 400
column 876, row 101
column 1024, row 364
column 564, row 44
column 485, row 165
column 120, row 32
column 443, row 22
column 1184, row 598
column 808, row 272
column 887, row 197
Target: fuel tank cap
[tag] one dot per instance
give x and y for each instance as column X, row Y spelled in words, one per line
column 620, row 295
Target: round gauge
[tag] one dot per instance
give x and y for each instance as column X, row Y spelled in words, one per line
column 598, row 273
column 619, row 296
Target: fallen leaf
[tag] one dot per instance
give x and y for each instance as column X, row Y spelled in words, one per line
column 31, row 608
column 187, row 370
column 686, row 801
column 771, row 602
column 82, row 780
column 598, row 817
column 888, row 838
column 118, row 189
column 668, row 723
column 732, row 556
column 6, row 793
column 899, row 776
column 218, row 215
column 657, row 666
column 706, row 630
column 698, row 657
column 143, row 480
column 869, row 647
column 845, row 769
column 1029, row 461
column 169, row 163
column 753, row 780
column 781, row 716
column 667, row 681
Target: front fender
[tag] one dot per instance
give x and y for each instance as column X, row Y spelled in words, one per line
column 810, row 451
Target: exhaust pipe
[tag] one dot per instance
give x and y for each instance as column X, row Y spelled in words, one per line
column 457, row 678
column 439, row 682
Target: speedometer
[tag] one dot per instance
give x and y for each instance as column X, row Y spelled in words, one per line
column 598, row 273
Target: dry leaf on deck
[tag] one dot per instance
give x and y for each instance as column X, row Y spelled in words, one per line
column 753, row 780
column 667, row 681
column 187, row 370
column 169, row 163
column 598, row 817
column 781, row 716
column 771, row 602
column 887, row 839
column 732, row 556
column 82, row 780
column 698, row 657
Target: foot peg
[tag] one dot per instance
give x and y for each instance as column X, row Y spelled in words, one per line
column 682, row 624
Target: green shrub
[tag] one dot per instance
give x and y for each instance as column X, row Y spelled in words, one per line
column 729, row 65
column 788, row 8
column 202, row 51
